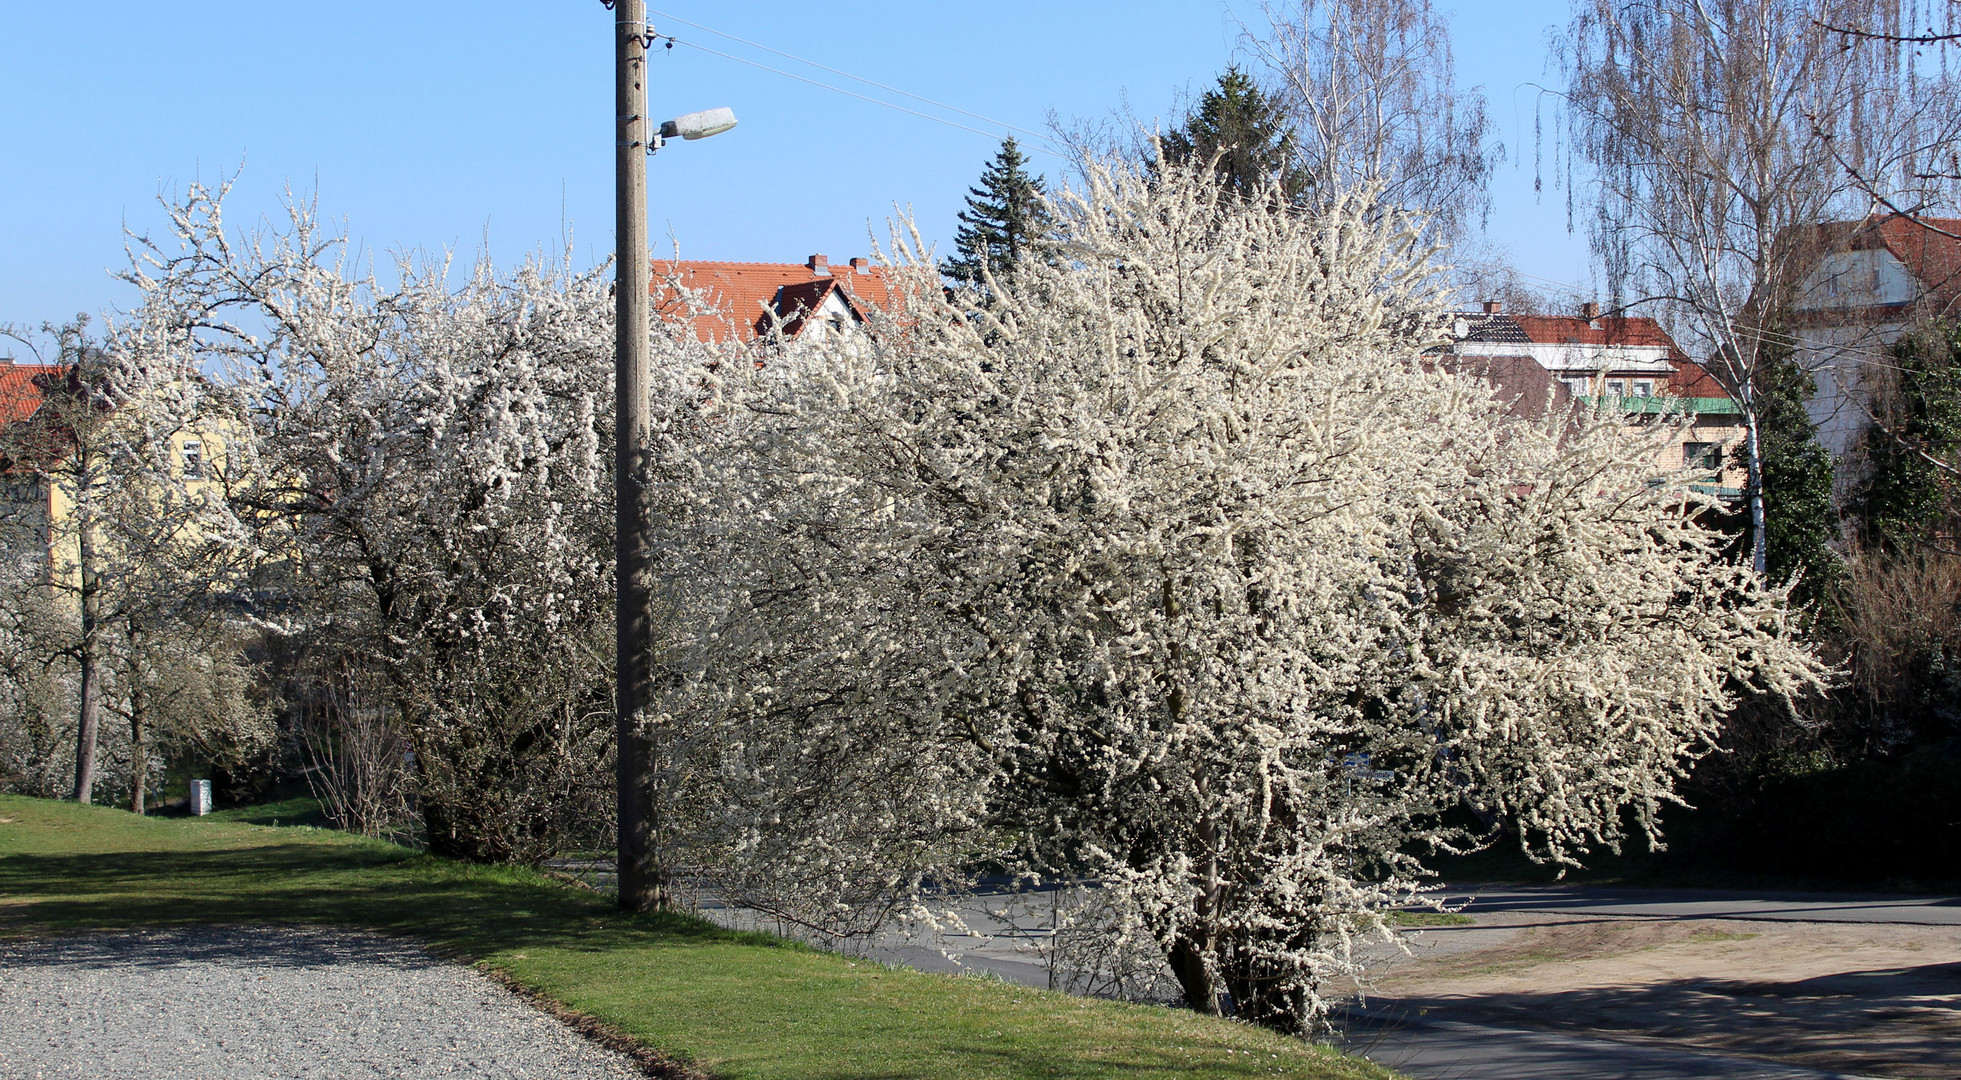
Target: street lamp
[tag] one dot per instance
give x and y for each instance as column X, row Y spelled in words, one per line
column 697, row 125
column 641, row 881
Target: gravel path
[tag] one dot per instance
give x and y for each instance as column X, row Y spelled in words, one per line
column 251, row 1002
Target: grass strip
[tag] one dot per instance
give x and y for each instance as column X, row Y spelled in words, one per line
column 1418, row 919
column 733, row 1005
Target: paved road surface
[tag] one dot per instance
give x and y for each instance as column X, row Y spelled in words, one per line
column 1440, row 1047
column 1001, row 947
column 1434, row 1049
column 1713, row 904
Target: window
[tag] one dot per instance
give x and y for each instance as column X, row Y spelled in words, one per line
column 1616, row 388
column 1702, row 455
column 1578, row 386
column 1644, row 388
column 193, row 459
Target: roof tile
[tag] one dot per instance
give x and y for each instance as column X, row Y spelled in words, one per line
column 739, row 298
column 19, row 396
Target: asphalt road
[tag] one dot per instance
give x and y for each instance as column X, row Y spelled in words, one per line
column 1712, row 904
column 1438, row 1046
column 1002, row 945
column 1435, row 1045
column 1439, row 1049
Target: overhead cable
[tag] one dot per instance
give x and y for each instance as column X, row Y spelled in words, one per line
column 855, row 78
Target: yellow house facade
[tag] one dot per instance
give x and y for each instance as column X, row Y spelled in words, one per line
column 57, row 447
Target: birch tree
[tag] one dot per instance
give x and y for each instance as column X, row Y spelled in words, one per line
column 1179, row 570
column 1370, row 87
column 1720, row 133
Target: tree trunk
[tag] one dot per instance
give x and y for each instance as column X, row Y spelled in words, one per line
column 1754, row 480
column 139, row 747
column 1189, row 958
column 1262, row 991
column 85, row 729
column 88, row 662
column 1195, row 978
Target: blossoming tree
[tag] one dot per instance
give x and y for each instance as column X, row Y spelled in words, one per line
column 423, row 472
column 1178, row 569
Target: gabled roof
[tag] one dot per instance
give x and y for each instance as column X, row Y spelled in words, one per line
column 743, row 299
column 1927, row 248
column 1572, row 343
column 19, row 394
column 1932, row 258
column 23, row 387
column 799, row 303
column 1491, row 327
column 1615, row 330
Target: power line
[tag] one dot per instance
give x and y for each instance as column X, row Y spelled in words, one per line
column 855, row 79
column 1052, row 144
column 833, row 89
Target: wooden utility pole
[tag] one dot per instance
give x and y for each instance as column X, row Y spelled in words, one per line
column 639, row 876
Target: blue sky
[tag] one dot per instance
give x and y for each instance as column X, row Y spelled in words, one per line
column 487, row 126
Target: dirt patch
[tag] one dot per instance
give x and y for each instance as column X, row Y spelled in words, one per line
column 1878, row 1000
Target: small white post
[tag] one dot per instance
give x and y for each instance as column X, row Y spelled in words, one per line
column 200, row 798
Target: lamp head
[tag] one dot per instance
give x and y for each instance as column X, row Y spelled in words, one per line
column 698, row 125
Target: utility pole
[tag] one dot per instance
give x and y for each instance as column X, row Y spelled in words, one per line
column 639, row 876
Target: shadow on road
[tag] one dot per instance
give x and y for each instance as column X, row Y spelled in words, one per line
column 1895, row 1022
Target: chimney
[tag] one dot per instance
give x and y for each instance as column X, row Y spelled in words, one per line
column 860, row 265
column 819, row 265
column 1492, row 307
column 1590, row 311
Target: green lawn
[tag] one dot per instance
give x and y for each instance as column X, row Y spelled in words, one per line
column 1417, row 920
column 735, row 1005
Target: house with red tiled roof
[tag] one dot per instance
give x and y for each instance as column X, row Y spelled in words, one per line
column 19, row 394
column 743, row 301
column 1869, row 282
column 39, row 404
column 1541, row 363
column 28, row 504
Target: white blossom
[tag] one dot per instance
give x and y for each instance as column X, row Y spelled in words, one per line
column 1176, row 568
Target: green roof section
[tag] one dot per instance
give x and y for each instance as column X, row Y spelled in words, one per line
column 1699, row 406
column 1727, row 494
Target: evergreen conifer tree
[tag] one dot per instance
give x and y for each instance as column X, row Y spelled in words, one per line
column 1800, row 519
column 1903, row 498
column 1246, row 129
column 1005, row 222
